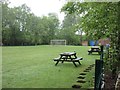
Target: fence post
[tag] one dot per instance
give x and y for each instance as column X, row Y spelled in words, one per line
column 101, row 55
column 99, row 71
column 98, row 74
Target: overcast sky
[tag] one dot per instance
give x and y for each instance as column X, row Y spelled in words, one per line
column 42, row 7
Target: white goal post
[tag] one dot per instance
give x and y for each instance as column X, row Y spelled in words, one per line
column 58, row 42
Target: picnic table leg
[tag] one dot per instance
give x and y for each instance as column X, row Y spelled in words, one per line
column 63, row 60
column 56, row 63
column 79, row 62
column 99, row 52
column 89, row 52
column 75, row 64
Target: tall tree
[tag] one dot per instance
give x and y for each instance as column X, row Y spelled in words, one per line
column 99, row 20
column 69, row 27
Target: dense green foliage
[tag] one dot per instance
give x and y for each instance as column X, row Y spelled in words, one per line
column 68, row 30
column 21, row 27
column 99, row 20
column 33, row 67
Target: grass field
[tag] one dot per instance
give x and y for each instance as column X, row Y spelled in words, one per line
column 33, row 67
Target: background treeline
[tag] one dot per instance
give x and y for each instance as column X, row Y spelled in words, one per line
column 21, row 27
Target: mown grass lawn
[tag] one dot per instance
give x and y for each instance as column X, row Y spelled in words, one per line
column 33, row 67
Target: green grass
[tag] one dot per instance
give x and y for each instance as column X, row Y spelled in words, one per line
column 33, row 66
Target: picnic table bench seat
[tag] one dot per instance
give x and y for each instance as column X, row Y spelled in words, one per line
column 56, row 59
column 73, row 60
column 76, row 59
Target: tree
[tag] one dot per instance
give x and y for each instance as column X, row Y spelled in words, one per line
column 69, row 27
column 9, row 24
column 99, row 20
column 21, row 27
column 49, row 25
column 91, row 14
column 13, row 19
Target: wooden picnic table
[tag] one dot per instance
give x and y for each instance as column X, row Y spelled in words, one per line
column 94, row 49
column 68, row 57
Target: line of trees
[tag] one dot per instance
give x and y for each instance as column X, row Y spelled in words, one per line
column 21, row 27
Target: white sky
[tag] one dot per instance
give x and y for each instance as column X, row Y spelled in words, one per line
column 42, row 7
